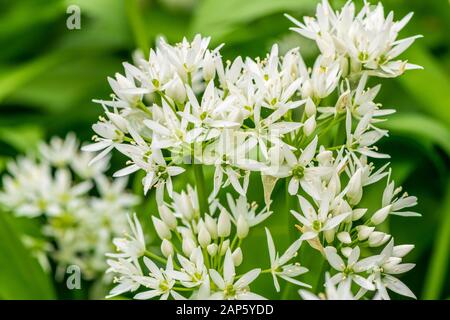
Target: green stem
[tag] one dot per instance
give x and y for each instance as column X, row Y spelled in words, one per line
column 200, row 184
column 141, row 106
column 137, row 25
column 437, row 270
column 321, row 277
column 155, row 256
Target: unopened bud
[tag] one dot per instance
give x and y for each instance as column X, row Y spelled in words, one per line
column 224, row 224
column 381, row 215
column 166, row 248
column 161, row 228
column 237, row 257
column 168, row 217
column 242, row 227
column 212, row 249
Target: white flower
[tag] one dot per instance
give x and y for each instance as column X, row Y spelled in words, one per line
column 187, row 57
column 229, row 155
column 352, row 268
column 301, row 170
column 398, row 203
column 279, row 266
column 132, row 246
column 111, row 134
column 159, row 173
column 240, row 208
column 368, row 38
column 362, row 139
column 129, row 271
column 342, row 292
column 193, row 272
column 210, row 116
column 230, row 288
column 315, row 223
column 59, row 152
column 159, row 281
column 385, row 266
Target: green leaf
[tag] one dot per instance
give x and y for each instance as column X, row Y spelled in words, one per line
column 21, row 276
column 431, row 86
column 420, row 126
column 23, row 138
column 438, row 268
column 217, row 17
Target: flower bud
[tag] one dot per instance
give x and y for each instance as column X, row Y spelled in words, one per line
column 310, row 108
column 204, row 238
column 212, row 249
column 307, row 89
column 161, row 228
column 186, row 208
column 344, row 237
column 355, row 190
column 309, row 126
column 242, row 227
column 237, row 257
column 211, row 226
column 224, row 247
column 166, row 248
column 325, row 157
column 377, row 238
column 168, row 217
column 188, row 246
column 224, row 224
column 364, row 232
column 346, row 251
column 381, row 215
column 358, row 213
column 329, row 235
column 175, row 89
column 209, row 68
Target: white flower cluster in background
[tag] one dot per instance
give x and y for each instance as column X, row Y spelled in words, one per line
column 58, row 184
column 315, row 128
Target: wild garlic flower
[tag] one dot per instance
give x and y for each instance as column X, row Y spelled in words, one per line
column 367, row 39
column 341, row 292
column 279, row 266
column 79, row 226
column 199, row 252
column 314, row 128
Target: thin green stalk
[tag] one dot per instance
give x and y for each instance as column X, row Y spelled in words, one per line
column 155, row 256
column 137, row 25
column 321, row 277
column 286, row 291
column 437, row 270
column 200, row 184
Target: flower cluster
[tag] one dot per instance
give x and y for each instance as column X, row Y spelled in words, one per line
column 315, row 128
column 58, row 184
column 200, row 253
column 363, row 41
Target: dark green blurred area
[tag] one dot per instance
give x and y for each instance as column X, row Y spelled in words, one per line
column 49, row 75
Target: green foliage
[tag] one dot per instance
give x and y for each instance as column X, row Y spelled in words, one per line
column 21, row 277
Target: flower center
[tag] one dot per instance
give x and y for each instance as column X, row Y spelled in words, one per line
column 317, row 225
column 298, row 171
column 230, row 291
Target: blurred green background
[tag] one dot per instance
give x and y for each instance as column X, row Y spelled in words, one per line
column 49, row 75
